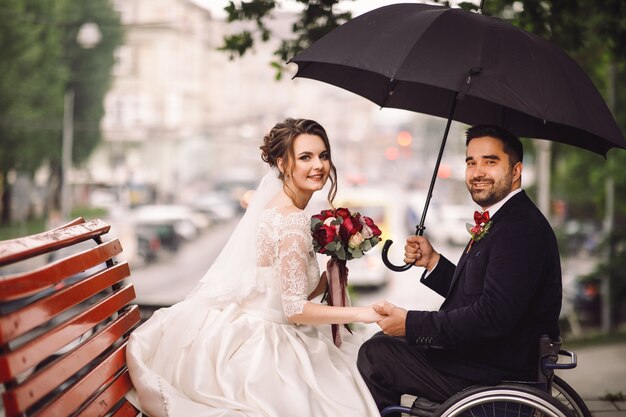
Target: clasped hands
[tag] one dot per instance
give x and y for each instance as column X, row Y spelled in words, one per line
column 392, row 321
column 419, row 252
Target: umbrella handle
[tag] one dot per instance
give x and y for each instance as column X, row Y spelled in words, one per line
column 419, row 232
column 388, row 264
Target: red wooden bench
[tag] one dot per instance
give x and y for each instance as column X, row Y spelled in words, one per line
column 65, row 316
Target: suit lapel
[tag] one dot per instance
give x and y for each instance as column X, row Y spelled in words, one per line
column 460, row 267
column 501, row 213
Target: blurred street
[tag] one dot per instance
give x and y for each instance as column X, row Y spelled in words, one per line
column 170, row 279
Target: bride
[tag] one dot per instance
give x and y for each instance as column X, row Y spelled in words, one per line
column 248, row 340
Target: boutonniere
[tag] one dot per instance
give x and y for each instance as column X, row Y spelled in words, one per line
column 477, row 232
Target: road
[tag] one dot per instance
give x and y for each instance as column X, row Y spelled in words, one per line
column 172, row 278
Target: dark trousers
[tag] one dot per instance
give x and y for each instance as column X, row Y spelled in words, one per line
column 391, row 367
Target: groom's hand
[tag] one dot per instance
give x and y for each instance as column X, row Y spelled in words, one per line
column 393, row 322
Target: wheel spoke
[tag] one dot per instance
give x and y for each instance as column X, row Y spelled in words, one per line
column 504, row 401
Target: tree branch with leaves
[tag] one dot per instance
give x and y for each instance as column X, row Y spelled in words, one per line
column 317, row 18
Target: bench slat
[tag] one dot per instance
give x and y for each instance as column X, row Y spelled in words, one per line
column 73, row 398
column 126, row 410
column 13, row 287
column 109, row 398
column 15, row 250
column 45, row 380
column 36, row 350
column 40, row 312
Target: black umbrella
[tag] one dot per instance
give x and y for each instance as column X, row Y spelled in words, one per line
column 467, row 67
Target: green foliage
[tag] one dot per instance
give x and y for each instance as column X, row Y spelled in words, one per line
column 20, row 229
column 316, row 20
column 237, row 44
column 88, row 212
column 613, row 270
column 90, row 69
column 31, row 83
column 595, row 338
column 39, row 61
column 614, row 396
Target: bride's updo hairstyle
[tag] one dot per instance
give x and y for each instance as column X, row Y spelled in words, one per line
column 278, row 143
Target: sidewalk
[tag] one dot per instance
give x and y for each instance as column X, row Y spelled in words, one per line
column 606, row 408
column 601, row 370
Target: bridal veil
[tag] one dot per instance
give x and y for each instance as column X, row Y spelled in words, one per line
column 233, row 275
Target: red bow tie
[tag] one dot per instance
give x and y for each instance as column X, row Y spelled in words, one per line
column 481, row 218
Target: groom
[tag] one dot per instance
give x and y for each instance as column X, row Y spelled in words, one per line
column 504, row 293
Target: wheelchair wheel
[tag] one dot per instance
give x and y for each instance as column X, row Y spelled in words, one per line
column 505, row 400
column 563, row 392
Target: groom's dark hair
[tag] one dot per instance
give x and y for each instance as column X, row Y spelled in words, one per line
column 512, row 145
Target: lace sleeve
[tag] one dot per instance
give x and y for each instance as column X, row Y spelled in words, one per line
column 293, row 256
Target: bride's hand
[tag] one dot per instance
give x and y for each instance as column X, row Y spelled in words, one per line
column 368, row 315
column 394, row 318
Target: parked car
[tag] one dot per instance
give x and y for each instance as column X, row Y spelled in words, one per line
column 166, row 234
column 217, row 206
column 173, row 224
column 148, row 245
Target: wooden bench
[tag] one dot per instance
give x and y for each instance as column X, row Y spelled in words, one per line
column 65, row 317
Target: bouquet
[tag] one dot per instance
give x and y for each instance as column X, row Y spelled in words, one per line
column 342, row 235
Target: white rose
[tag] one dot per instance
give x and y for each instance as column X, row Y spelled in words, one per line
column 355, row 240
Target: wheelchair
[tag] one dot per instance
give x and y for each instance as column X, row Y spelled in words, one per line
column 549, row 396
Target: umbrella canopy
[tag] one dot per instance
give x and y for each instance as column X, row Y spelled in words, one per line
column 428, row 58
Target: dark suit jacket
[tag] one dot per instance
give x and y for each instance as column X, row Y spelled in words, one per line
column 500, row 298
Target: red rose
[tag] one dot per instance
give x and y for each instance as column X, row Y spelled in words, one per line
column 328, row 213
column 370, row 223
column 323, row 236
column 349, row 227
column 324, row 215
column 344, row 213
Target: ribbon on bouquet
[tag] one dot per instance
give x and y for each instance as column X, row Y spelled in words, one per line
column 337, row 276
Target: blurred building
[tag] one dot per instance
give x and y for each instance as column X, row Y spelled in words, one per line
column 181, row 115
column 155, row 110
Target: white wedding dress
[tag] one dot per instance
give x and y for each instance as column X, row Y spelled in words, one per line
column 243, row 358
